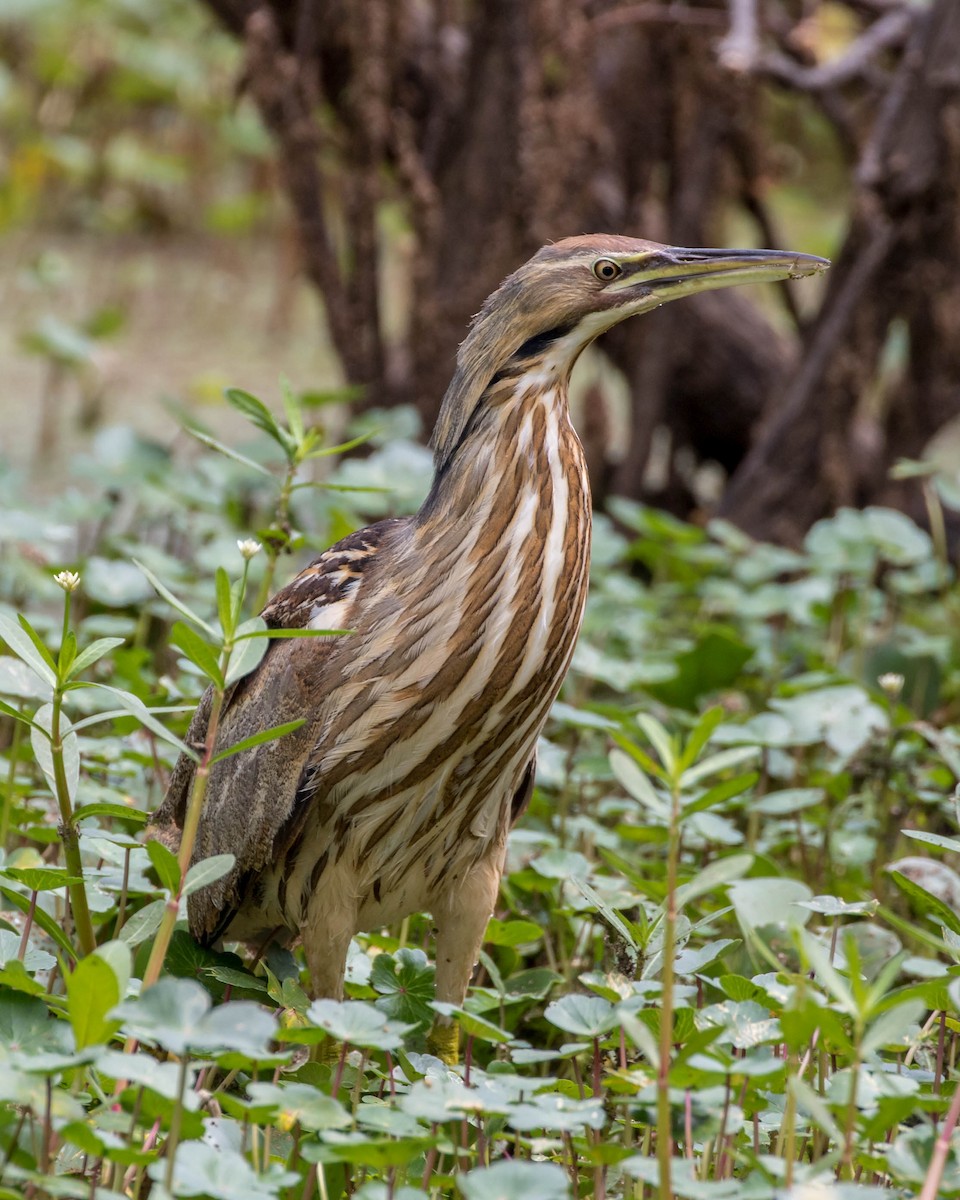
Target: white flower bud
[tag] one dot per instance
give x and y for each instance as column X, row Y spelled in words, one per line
column 248, row 548
column 68, row 580
column 892, row 684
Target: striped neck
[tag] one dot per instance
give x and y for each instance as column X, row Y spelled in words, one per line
column 518, row 431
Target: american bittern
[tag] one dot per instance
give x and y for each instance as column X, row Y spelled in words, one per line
column 419, row 747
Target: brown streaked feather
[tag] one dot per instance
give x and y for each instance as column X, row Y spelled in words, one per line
column 254, row 793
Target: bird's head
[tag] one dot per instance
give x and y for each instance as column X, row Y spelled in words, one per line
column 543, row 315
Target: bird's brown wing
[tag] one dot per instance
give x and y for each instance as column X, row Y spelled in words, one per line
column 250, row 795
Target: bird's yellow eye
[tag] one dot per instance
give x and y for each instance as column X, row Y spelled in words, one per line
column 605, row 270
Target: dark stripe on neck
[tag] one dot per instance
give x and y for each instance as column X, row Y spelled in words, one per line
column 537, row 344
column 533, row 347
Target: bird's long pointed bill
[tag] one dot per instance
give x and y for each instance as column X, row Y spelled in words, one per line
column 686, row 271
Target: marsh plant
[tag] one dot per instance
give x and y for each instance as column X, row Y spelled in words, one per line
column 725, row 960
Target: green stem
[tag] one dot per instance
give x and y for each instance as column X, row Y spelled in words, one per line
column 11, row 784
column 161, row 943
column 68, row 830
column 176, row 1121
column 664, row 1134
column 282, row 521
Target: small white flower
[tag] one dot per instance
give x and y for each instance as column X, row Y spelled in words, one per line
column 248, row 548
column 68, row 580
column 891, row 683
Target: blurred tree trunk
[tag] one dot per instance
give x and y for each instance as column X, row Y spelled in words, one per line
column 840, row 424
column 490, row 129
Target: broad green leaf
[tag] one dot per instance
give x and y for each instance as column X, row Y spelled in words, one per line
column 298, row 1102
column 207, row 871
column 220, row 1173
column 721, row 761
column 249, row 647
column 637, row 783
column 41, row 879
column 583, row 1016
column 357, row 1022
column 143, row 924
column 94, row 987
column 516, row 1179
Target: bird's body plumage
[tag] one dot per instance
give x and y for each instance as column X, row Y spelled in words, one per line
column 418, row 748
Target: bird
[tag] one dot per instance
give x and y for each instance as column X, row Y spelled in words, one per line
column 417, row 752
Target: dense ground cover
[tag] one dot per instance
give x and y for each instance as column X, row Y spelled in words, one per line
column 724, row 961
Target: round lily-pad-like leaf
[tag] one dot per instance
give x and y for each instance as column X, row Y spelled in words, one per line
column 357, row 1022
column 405, row 981
column 555, row 1113
column 584, row 1016
column 301, row 1103
column 221, row 1174
column 167, row 1014
column 516, row 1179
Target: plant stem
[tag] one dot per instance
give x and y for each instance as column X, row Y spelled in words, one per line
column 69, row 837
column 161, row 944
column 664, row 1133
column 176, row 1121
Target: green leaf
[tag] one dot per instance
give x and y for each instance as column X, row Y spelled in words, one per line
column 166, row 866
column 512, row 933
column 250, row 644
column 300, row 1102
column 41, row 879
column 200, row 652
column 143, row 924
column 206, row 871
column 925, row 902
column 516, row 1179
column 49, row 926
column 212, row 444
column 583, row 1016
column 119, row 812
column 94, row 987
column 220, row 1173
column 68, row 652
column 357, row 1022
column 257, row 739
column 224, row 602
column 164, row 592
column 661, row 741
column 405, row 981
column 136, row 708
column 715, row 662
column 23, row 647
column 258, row 413
column 92, row 653
column 41, row 743
column 700, row 735
column 715, row 874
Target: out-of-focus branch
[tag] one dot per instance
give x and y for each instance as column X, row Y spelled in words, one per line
column 888, row 32
column 658, row 14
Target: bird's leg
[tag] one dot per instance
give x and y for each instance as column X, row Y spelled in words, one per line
column 461, row 919
column 330, row 924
